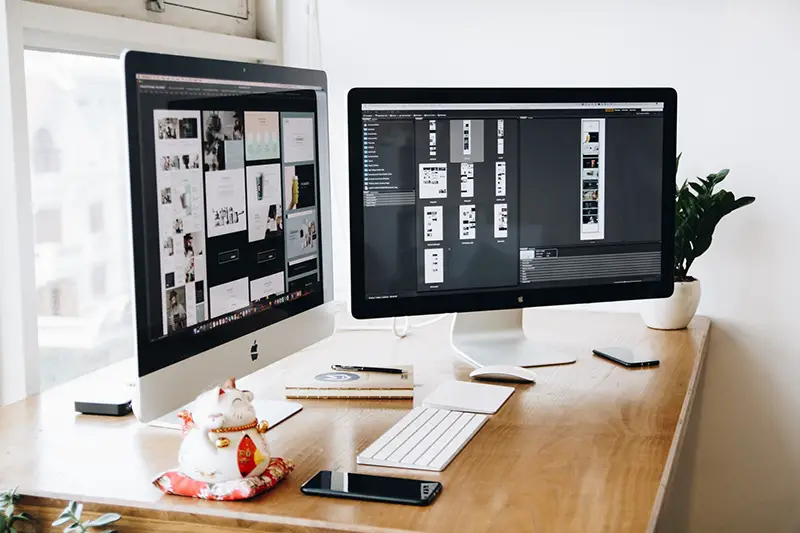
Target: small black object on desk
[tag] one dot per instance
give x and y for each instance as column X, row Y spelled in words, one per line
column 105, row 399
column 625, row 357
column 104, row 408
column 344, row 368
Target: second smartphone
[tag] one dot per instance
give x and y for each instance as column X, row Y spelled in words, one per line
column 372, row 488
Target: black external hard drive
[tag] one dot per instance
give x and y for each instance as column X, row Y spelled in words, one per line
column 107, row 401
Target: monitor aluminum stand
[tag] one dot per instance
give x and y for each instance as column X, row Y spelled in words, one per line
column 496, row 338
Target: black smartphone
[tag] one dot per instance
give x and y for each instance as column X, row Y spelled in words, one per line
column 372, row 488
column 626, row 357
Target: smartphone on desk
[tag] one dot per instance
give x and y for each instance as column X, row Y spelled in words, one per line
column 626, row 357
column 372, row 488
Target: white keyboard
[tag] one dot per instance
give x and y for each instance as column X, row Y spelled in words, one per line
column 425, row 439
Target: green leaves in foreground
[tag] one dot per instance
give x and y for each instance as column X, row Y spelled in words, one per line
column 8, row 515
column 70, row 517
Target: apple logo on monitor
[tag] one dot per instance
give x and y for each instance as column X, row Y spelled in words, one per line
column 254, row 351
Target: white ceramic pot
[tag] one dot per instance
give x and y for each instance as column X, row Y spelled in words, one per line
column 676, row 311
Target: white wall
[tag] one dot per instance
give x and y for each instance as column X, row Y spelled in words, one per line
column 735, row 66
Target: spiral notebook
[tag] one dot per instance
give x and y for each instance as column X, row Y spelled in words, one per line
column 327, row 383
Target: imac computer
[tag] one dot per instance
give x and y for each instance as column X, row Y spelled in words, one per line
column 230, row 217
column 482, row 202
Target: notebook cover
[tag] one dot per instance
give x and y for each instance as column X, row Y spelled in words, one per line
column 339, row 384
column 366, row 394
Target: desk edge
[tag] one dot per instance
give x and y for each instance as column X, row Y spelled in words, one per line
column 680, row 430
column 216, row 517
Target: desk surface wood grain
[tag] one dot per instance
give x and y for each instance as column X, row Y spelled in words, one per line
column 590, row 447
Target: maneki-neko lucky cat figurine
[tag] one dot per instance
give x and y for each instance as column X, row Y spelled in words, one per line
column 223, row 440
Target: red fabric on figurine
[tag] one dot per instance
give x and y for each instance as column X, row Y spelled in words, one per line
column 174, row 482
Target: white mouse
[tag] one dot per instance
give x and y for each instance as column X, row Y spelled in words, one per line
column 504, row 373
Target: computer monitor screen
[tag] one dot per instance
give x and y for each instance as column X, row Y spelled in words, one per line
column 226, row 196
column 465, row 204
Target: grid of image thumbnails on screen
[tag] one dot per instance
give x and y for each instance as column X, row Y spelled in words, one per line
column 242, row 177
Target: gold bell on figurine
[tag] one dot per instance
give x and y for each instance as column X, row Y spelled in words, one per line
column 223, row 442
column 263, row 426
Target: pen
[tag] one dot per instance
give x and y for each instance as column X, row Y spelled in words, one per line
column 368, row 369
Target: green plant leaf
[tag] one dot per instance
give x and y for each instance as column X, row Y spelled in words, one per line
column 71, row 507
column 108, row 518
column 18, row 518
column 3, row 522
column 74, row 528
column 78, row 511
column 25, row 516
column 61, row 520
column 697, row 188
column 9, row 496
column 12, row 529
column 719, row 176
column 698, row 211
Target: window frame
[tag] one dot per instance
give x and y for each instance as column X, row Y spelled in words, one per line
column 54, row 28
column 30, row 25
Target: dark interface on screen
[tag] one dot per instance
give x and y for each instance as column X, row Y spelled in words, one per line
column 230, row 199
column 462, row 198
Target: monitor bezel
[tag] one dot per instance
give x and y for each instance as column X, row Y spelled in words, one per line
column 154, row 355
column 515, row 298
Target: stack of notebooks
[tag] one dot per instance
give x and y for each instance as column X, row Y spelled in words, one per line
column 340, row 385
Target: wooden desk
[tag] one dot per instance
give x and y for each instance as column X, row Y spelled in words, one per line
column 590, row 447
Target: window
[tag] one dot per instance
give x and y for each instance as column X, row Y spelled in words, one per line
column 234, row 17
column 99, row 281
column 44, row 155
column 74, row 99
column 78, row 189
column 49, row 301
column 47, row 225
column 59, row 298
column 96, row 218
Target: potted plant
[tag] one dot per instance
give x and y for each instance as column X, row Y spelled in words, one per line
column 698, row 210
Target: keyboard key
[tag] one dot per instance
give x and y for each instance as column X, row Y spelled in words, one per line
column 391, row 433
column 445, row 439
column 460, row 440
column 410, row 444
column 404, row 435
column 447, row 420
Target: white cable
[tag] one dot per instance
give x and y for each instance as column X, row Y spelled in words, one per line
column 430, row 322
column 406, row 326
column 398, row 331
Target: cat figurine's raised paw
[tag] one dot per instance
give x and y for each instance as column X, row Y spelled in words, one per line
column 223, row 439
